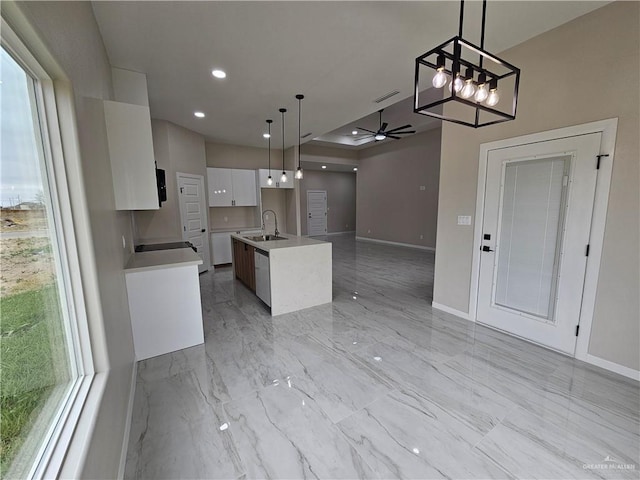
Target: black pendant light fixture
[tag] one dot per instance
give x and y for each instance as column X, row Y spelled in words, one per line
column 299, row 173
column 269, row 179
column 483, row 89
column 283, row 178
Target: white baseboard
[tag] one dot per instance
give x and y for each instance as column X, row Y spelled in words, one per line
column 398, row 244
column 452, row 311
column 341, row 233
column 613, row 367
column 129, row 419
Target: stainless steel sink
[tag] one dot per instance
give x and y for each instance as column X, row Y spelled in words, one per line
column 265, row 238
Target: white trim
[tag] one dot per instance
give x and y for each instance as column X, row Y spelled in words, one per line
column 332, row 233
column 608, row 129
column 613, row 367
column 127, row 425
column 398, row 244
column 452, row 311
column 326, row 212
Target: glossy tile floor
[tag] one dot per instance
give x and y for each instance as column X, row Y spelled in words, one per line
column 375, row 385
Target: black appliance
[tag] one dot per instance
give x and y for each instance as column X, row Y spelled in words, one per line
column 164, row 246
column 161, row 182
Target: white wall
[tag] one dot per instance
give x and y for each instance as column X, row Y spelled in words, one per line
column 71, row 34
column 583, row 71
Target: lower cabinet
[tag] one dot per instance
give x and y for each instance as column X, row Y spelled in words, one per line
column 221, row 248
column 244, row 263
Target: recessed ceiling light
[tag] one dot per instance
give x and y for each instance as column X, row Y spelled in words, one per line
column 218, row 73
column 355, row 132
column 324, row 166
column 199, row 114
column 355, row 169
column 266, row 135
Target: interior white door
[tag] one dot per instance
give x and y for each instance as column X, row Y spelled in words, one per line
column 193, row 215
column 316, row 212
column 536, row 224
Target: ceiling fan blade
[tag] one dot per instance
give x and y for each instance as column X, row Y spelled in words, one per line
column 365, row 130
column 384, row 126
column 402, row 133
column 399, row 128
column 394, row 137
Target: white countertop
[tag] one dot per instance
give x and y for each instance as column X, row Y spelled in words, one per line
column 177, row 257
column 291, row 241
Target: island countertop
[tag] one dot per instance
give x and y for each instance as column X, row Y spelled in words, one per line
column 178, row 257
column 289, row 242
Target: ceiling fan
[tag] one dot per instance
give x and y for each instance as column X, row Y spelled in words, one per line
column 383, row 133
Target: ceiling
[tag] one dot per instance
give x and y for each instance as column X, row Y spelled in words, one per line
column 340, row 55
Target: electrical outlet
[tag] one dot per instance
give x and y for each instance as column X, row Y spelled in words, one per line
column 346, row 226
column 368, row 231
column 422, row 188
column 421, row 237
column 226, row 219
column 464, row 219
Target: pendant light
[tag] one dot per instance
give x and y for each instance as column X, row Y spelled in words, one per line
column 269, row 179
column 283, row 178
column 299, row 170
column 473, row 75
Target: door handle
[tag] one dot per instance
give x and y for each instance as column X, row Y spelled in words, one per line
column 203, row 230
column 309, row 215
column 487, row 249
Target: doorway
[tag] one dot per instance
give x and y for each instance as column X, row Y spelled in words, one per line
column 193, row 215
column 316, row 212
column 541, row 212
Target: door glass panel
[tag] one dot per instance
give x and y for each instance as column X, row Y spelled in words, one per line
column 530, row 235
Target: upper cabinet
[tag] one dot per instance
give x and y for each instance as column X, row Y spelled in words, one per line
column 128, row 130
column 263, row 175
column 230, row 187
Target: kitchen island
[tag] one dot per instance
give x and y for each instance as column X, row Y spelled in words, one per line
column 287, row 274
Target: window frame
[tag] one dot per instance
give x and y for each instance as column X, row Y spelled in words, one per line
column 60, row 165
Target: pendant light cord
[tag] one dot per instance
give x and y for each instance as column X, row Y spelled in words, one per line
column 299, row 97
column 269, row 123
column 282, row 110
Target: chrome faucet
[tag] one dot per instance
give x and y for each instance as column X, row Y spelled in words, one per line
column 275, row 218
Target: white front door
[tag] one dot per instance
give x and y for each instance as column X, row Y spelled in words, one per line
column 536, row 224
column 193, row 215
column 316, row 212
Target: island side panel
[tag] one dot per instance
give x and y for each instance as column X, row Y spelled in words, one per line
column 301, row 277
column 166, row 313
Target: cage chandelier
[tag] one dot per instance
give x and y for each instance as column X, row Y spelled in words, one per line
column 480, row 88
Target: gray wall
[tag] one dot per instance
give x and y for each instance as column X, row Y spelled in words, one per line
column 391, row 205
column 341, row 198
column 560, row 87
column 176, row 149
column 71, row 33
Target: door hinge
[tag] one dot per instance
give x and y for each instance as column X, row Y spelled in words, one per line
column 599, row 157
column 577, row 329
column 586, row 254
column 184, row 228
column 181, row 189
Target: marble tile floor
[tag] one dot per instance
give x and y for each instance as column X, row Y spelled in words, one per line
column 375, row 385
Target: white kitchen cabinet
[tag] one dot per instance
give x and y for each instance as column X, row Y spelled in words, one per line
column 230, row 187
column 221, row 248
column 128, row 130
column 263, row 175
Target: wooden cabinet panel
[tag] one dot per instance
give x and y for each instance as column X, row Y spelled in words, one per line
column 244, row 263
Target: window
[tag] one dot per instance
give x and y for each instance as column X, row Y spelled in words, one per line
column 43, row 370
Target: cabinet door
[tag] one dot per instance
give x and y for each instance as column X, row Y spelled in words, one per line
column 221, row 246
column 133, row 164
column 290, row 179
column 220, row 187
column 238, row 259
column 244, row 188
column 250, row 266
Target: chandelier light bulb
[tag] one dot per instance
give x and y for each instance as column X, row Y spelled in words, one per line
column 440, row 78
column 468, row 90
column 482, row 93
column 456, row 84
column 283, row 178
column 493, row 98
column 299, row 173
column 269, row 180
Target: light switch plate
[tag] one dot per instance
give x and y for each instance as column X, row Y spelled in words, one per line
column 464, row 219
